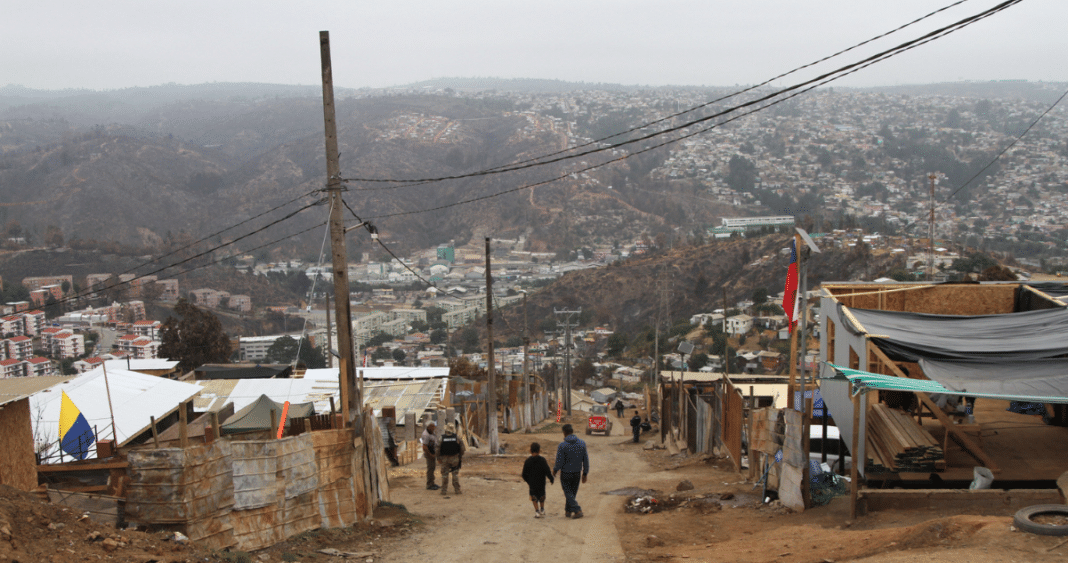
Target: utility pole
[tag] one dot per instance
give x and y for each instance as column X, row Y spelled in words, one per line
column 567, row 326
column 664, row 292
column 329, row 336
column 351, row 402
column 525, row 395
column 491, row 368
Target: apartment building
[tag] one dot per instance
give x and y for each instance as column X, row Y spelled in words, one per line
column 38, row 367
column 146, row 328
column 19, row 347
column 12, row 368
column 40, row 282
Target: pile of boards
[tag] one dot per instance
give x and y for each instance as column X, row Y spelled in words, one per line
column 896, row 442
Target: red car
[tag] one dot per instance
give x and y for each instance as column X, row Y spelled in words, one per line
column 598, row 420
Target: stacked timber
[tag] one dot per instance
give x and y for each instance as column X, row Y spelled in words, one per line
column 897, row 443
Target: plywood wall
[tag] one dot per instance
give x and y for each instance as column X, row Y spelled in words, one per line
column 946, row 299
column 18, row 465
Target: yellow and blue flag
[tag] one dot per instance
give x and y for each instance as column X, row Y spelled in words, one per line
column 75, row 435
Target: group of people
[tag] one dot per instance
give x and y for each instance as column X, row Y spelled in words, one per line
column 447, row 451
column 572, row 465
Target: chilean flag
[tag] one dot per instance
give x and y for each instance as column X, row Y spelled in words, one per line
column 789, row 298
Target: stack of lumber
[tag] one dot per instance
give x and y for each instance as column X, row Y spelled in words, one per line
column 897, row 443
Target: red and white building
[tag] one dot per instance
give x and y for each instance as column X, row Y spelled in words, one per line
column 148, row 329
column 19, row 347
column 32, row 322
column 12, row 325
column 138, row 347
column 68, row 345
column 38, row 366
column 12, row 368
column 88, row 364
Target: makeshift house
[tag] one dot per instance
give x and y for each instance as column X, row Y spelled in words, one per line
column 264, row 414
column 18, row 464
column 998, row 341
column 129, row 399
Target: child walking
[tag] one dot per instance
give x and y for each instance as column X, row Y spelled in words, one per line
column 535, row 470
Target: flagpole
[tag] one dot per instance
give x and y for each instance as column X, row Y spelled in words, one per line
column 107, row 387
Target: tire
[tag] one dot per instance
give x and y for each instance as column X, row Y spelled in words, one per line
column 1022, row 519
column 589, row 432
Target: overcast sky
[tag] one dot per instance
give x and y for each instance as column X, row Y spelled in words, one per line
column 118, row 44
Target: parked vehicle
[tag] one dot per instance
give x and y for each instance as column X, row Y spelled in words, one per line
column 598, row 420
column 835, row 447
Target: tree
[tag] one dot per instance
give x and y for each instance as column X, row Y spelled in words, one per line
column 53, row 236
column 399, row 355
column 760, row 295
column 617, row 343
column 438, row 336
column 194, row 339
column 583, row 371
column 698, row 361
column 283, row 351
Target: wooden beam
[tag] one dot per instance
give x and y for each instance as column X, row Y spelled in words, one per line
column 854, row 473
column 965, row 440
column 66, row 467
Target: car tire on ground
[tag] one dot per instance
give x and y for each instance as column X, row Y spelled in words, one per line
column 1022, row 519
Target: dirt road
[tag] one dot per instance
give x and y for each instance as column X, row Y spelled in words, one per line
column 493, row 520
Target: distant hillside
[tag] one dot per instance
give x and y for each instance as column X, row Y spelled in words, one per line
column 1045, row 92
column 624, row 295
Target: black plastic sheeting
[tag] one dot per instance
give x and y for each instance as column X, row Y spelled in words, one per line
column 1020, row 354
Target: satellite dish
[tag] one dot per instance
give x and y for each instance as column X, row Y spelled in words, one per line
column 686, row 347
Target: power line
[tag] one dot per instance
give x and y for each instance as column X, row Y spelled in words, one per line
column 771, row 100
column 819, row 80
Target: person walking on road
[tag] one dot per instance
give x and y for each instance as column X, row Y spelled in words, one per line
column 573, row 464
column 619, row 408
column 429, row 442
column 535, row 470
column 451, row 457
column 636, row 426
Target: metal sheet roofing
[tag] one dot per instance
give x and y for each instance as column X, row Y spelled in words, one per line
column 15, row 388
column 138, row 365
column 135, row 397
column 410, row 391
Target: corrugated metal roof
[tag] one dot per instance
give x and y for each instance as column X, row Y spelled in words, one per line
column 392, row 373
column 318, row 386
column 138, row 365
column 135, row 398
column 15, row 388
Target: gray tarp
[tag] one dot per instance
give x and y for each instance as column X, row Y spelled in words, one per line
column 1023, row 353
column 257, row 415
column 1013, row 337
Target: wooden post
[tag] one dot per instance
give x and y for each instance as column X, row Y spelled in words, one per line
column 350, row 400
column 329, row 337
column 806, row 470
column 215, row 424
column 854, row 473
column 752, row 429
column 155, row 431
column 491, row 367
column 274, row 425
column 183, row 426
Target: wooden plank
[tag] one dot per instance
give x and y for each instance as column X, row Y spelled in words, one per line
column 969, row 445
column 63, row 467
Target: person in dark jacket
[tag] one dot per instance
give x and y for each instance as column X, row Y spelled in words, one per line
column 573, row 463
column 619, row 408
column 450, row 450
column 636, row 426
column 535, row 471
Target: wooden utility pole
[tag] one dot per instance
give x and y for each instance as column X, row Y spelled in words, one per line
column 528, row 411
column 329, row 337
column 491, row 368
column 351, row 402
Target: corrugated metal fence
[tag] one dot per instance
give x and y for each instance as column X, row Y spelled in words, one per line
column 253, row 494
